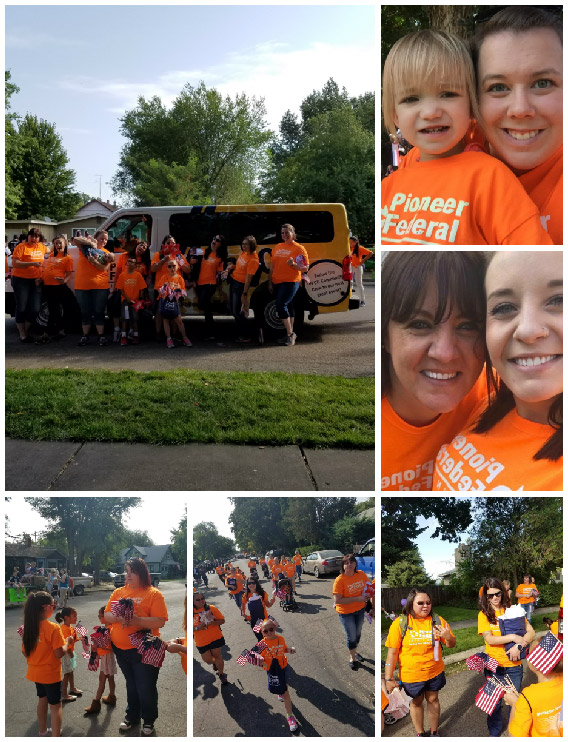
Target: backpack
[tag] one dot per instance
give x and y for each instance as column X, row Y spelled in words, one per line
column 403, row 623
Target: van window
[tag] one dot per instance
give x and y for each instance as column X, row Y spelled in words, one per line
column 137, row 225
column 197, row 228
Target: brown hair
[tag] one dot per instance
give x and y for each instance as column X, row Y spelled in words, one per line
column 485, row 603
column 34, row 232
column 33, row 615
column 407, row 609
column 347, row 558
column 251, row 239
column 458, row 277
column 290, row 228
column 139, row 567
column 63, row 239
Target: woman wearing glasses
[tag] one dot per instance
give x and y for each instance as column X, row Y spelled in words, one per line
column 350, row 603
column 275, row 663
column 494, row 601
column 213, row 263
column 257, row 601
column 414, row 643
column 207, row 634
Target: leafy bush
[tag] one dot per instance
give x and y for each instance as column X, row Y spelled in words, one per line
column 549, row 594
column 305, row 550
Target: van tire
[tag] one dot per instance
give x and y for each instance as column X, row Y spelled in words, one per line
column 266, row 316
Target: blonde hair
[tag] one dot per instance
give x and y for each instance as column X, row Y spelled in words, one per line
column 424, row 57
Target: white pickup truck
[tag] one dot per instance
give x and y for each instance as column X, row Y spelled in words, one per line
column 80, row 583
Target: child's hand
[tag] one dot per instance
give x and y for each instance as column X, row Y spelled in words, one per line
column 292, row 650
column 173, row 647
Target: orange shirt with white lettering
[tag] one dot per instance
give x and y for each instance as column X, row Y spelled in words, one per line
column 297, row 559
column 526, row 591
column 208, row 269
column 281, row 271
column 174, row 282
column 544, row 186
column 275, row 650
column 148, row 602
column 212, row 632
column 537, row 710
column 43, row 665
column 416, row 661
column 162, row 273
column 141, row 267
column 289, row 569
column 350, row 587
column 90, row 276
column 466, row 199
column 26, row 253
column 501, row 459
column 497, row 651
column 56, row 267
column 131, row 284
column 356, row 261
column 247, row 265
column 408, row 453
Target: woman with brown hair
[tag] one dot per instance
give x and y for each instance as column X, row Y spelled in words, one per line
column 27, row 271
column 241, row 275
column 92, row 283
column 494, row 600
column 350, row 603
column 149, row 613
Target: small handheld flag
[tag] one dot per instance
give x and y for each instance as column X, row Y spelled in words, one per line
column 547, row 654
column 489, row 696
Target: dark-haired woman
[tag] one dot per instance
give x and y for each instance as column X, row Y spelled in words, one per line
column 149, row 613
column 213, row 263
column 57, row 272
column 207, row 634
column 288, row 264
column 257, row 601
column 432, row 348
column 242, row 274
column 418, row 653
column 494, row 600
column 27, row 270
column 359, row 255
column 350, row 602
column 92, row 285
column 518, row 438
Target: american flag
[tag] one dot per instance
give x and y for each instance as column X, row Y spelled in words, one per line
column 480, row 661
column 123, row 607
column 21, row 631
column 260, row 646
column 489, row 696
column 548, row 653
column 242, row 659
column 152, row 648
column 368, row 590
column 258, row 625
column 274, row 621
column 80, row 629
column 101, row 637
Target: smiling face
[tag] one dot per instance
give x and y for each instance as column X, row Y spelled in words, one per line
column 421, row 605
column 520, row 96
column 524, row 327
column 432, row 366
column 494, row 596
column 433, row 117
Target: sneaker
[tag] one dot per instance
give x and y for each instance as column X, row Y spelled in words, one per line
column 291, row 339
column 170, row 343
column 147, row 730
column 116, row 336
column 135, row 340
column 127, row 725
column 187, row 342
column 102, row 340
column 84, row 340
column 130, row 334
column 123, row 340
column 293, row 724
column 358, row 657
column 434, row 734
column 282, row 341
column 362, row 304
column 223, row 678
column 47, row 733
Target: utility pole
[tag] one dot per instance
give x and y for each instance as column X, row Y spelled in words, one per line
column 100, row 179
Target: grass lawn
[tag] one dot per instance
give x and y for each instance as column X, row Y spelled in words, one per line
column 449, row 612
column 184, row 406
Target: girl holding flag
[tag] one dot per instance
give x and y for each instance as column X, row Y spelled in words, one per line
column 207, row 634
column 494, row 600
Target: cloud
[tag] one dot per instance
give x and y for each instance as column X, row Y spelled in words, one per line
column 74, row 130
column 281, row 75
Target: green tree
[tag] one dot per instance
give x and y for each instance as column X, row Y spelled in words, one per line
column 40, row 172
column 351, row 530
column 13, row 190
column 216, row 147
column 408, row 572
column 329, row 98
column 179, row 542
column 209, row 544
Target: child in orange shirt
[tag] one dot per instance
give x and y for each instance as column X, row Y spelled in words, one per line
column 107, row 669
column 452, row 196
column 69, row 617
column 275, row 663
column 43, row 647
column 170, row 292
column 130, row 283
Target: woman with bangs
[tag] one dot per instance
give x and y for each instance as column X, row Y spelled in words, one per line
column 432, row 356
column 516, row 442
column 453, row 194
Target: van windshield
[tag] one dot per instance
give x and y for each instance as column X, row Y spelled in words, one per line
column 138, row 226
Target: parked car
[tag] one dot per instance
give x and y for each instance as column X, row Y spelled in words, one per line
column 119, row 580
column 275, row 553
column 326, row 562
column 366, row 558
column 106, row 576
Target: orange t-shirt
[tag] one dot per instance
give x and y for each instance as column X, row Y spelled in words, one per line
column 234, row 584
column 270, row 562
column 131, row 283
column 100, row 651
column 467, row 199
column 148, row 602
column 141, row 267
column 264, row 600
column 275, row 649
column 90, row 276
column 544, row 186
column 251, row 564
column 247, row 265
column 416, row 661
column 543, row 720
column 526, row 591
column 282, row 272
column 289, row 569
column 297, row 559
column 162, row 273
column 497, row 651
column 69, row 631
column 211, row 633
column 43, row 665
column 276, row 569
column 384, row 700
column 173, row 282
column 356, row 261
column 56, row 267
column 408, row 452
column 27, row 253
column 350, row 587
column 208, row 270
column 183, row 657
column 501, row 459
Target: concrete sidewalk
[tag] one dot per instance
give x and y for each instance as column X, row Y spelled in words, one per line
column 109, row 467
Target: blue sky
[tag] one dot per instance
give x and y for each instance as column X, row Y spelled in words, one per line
column 90, row 63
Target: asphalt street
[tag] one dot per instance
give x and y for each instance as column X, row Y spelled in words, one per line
column 336, row 344
column 20, row 695
column 328, row 698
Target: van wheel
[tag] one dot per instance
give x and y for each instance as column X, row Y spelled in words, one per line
column 266, row 315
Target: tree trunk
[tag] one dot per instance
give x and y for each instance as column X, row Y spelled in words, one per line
column 450, row 18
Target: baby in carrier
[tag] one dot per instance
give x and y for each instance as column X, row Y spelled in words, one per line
column 287, row 602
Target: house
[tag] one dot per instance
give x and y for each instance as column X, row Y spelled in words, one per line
column 158, row 559
column 90, row 217
column 18, row 555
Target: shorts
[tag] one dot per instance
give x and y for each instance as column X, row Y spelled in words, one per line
column 277, row 678
column 217, row 643
column 107, row 664
column 51, row 690
column 416, row 689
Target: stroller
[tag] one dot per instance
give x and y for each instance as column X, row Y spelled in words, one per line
column 265, row 570
column 287, row 603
